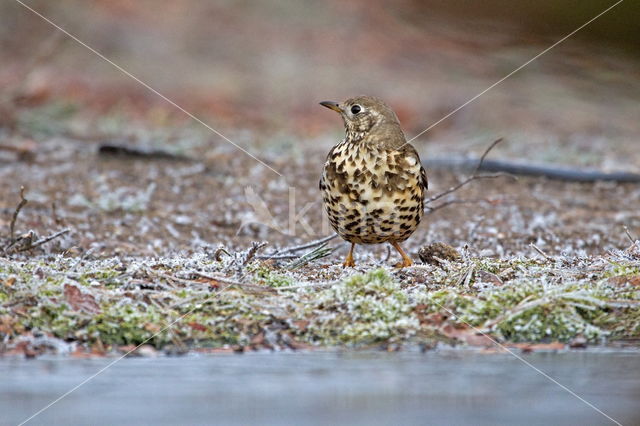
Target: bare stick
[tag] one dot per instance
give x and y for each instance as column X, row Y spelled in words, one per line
column 626, row 231
column 484, row 154
column 473, row 177
column 44, row 240
column 545, row 255
column 23, row 201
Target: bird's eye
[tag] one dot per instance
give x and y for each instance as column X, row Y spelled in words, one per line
column 355, row 109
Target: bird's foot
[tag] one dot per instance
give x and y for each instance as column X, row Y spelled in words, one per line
column 349, row 263
column 406, row 261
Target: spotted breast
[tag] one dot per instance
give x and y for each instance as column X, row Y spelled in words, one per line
column 373, row 195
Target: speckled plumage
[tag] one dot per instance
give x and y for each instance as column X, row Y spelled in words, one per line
column 373, row 184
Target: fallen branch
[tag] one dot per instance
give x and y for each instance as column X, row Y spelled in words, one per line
column 42, row 241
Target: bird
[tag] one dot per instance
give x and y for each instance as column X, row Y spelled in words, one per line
column 373, row 184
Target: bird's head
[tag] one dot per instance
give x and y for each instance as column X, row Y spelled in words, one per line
column 365, row 115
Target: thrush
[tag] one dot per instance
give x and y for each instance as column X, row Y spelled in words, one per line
column 373, row 184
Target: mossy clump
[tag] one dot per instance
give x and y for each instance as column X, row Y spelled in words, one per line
column 363, row 309
column 271, row 278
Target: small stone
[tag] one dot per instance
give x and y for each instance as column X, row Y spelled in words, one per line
column 429, row 253
column 578, row 342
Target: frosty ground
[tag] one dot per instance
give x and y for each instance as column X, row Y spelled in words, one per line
column 174, row 255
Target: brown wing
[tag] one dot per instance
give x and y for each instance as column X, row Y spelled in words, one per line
column 410, row 150
column 423, row 177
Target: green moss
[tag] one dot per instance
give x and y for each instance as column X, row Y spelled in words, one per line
column 364, row 309
column 266, row 276
column 622, row 270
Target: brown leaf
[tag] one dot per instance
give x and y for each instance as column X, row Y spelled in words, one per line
column 154, row 328
column 621, row 280
column 434, row 319
column 6, row 325
column 301, row 324
column 80, row 301
column 467, row 335
column 197, row 326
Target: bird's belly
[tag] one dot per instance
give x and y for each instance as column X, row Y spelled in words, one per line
column 375, row 217
column 372, row 196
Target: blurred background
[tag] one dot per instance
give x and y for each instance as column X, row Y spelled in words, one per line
column 255, row 71
column 264, row 66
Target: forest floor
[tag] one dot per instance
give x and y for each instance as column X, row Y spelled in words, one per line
column 191, row 244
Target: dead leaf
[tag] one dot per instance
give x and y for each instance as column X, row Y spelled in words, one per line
column 154, row 328
column 80, row 301
column 301, row 324
column 6, row 325
column 467, row 335
column 621, row 280
column 197, row 326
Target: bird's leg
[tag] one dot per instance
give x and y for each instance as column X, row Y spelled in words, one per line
column 406, row 260
column 349, row 262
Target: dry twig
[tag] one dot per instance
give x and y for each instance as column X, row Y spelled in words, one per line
column 473, row 177
column 628, row 233
column 23, row 201
column 543, row 254
column 43, row 240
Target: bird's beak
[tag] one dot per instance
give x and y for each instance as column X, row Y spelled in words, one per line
column 331, row 105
